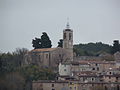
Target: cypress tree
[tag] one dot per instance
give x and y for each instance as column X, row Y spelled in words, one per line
column 45, row 41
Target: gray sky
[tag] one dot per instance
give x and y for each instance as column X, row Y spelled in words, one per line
column 91, row 20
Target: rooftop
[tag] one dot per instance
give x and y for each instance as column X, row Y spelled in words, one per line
column 43, row 50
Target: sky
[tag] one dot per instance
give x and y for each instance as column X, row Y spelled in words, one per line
column 91, row 21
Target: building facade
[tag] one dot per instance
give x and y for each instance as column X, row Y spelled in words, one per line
column 74, row 85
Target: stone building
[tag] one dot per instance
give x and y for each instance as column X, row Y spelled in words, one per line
column 112, row 75
column 50, row 85
column 65, row 69
column 88, row 76
column 74, row 85
column 92, row 65
column 80, row 66
column 51, row 57
column 48, row 57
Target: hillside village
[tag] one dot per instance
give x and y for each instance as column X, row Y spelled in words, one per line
column 59, row 44
column 75, row 72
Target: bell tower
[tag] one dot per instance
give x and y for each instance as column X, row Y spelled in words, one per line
column 68, row 40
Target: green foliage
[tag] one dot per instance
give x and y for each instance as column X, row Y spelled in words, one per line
column 91, row 49
column 116, row 46
column 10, row 61
column 60, row 43
column 14, row 76
column 12, row 81
column 7, row 63
column 36, row 43
column 19, row 55
column 44, row 42
column 33, row 72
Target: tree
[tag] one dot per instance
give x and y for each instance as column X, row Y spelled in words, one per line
column 12, row 81
column 60, row 43
column 116, row 46
column 6, row 60
column 36, row 43
column 18, row 56
column 34, row 72
column 9, row 62
column 1, row 62
column 44, row 42
column 91, row 49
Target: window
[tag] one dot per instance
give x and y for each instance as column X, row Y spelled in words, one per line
column 52, row 85
column 97, row 68
column 96, row 64
column 60, row 55
column 92, row 79
column 64, row 36
column 116, row 78
column 109, row 72
column 93, row 69
column 70, row 36
column 46, row 55
column 64, row 69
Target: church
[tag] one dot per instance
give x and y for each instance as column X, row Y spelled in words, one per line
column 51, row 57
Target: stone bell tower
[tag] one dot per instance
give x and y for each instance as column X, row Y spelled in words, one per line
column 68, row 40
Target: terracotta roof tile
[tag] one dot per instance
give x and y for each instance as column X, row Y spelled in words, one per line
column 43, row 50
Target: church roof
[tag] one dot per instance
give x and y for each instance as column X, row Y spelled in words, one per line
column 43, row 50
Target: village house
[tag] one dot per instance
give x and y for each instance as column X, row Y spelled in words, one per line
column 88, row 76
column 74, row 85
column 50, row 85
column 80, row 66
column 92, row 65
column 112, row 75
